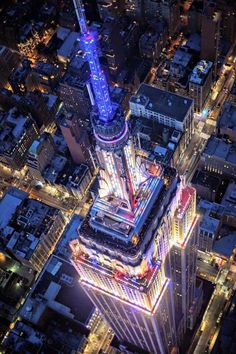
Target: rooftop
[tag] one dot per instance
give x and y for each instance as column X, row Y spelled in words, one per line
column 185, row 198
column 229, row 198
column 15, row 280
column 13, row 125
column 68, row 235
column 225, row 245
column 182, row 57
column 194, row 42
column 221, row 149
column 68, row 46
column 205, row 179
column 228, row 117
column 58, row 289
column 209, row 223
column 56, row 166
column 8, row 205
column 200, row 72
column 31, row 221
column 126, row 237
column 163, row 102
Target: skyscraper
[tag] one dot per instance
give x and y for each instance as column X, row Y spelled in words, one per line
column 123, row 254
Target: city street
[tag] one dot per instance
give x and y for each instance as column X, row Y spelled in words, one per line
column 208, row 328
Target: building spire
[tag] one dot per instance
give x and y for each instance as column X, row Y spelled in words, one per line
column 98, row 79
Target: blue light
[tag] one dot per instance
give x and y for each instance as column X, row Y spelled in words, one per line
column 98, row 80
column 205, row 112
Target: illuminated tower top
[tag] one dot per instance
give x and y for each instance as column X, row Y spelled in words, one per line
column 98, row 80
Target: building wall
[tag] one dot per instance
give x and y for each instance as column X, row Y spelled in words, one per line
column 155, row 333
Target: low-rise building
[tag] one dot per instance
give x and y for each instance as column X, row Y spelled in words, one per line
column 200, row 83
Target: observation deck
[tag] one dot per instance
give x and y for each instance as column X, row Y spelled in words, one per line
column 112, row 230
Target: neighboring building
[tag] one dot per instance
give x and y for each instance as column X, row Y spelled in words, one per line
column 151, row 44
column 74, row 89
column 208, row 231
column 219, row 156
column 170, row 11
column 110, row 8
column 111, row 42
column 39, row 155
column 151, row 9
column 180, row 63
column 54, row 169
column 165, row 107
column 228, row 21
column 9, row 60
column 211, row 19
column 76, row 138
column 200, row 84
column 43, row 77
column 232, row 95
column 227, row 122
column 68, row 47
column 58, row 285
column 225, row 213
column 18, row 77
column 134, row 9
column 195, row 17
column 229, row 198
column 51, row 319
column 43, row 107
column 15, row 281
column 17, row 132
column 34, row 229
column 207, row 186
column 73, row 180
column 79, row 181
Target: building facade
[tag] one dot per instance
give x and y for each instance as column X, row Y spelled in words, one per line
column 200, row 84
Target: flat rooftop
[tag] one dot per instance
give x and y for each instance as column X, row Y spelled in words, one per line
column 163, row 102
column 228, row 117
column 13, row 125
column 219, row 148
column 209, row 223
column 182, row 58
column 59, row 287
column 200, row 72
column 225, row 245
